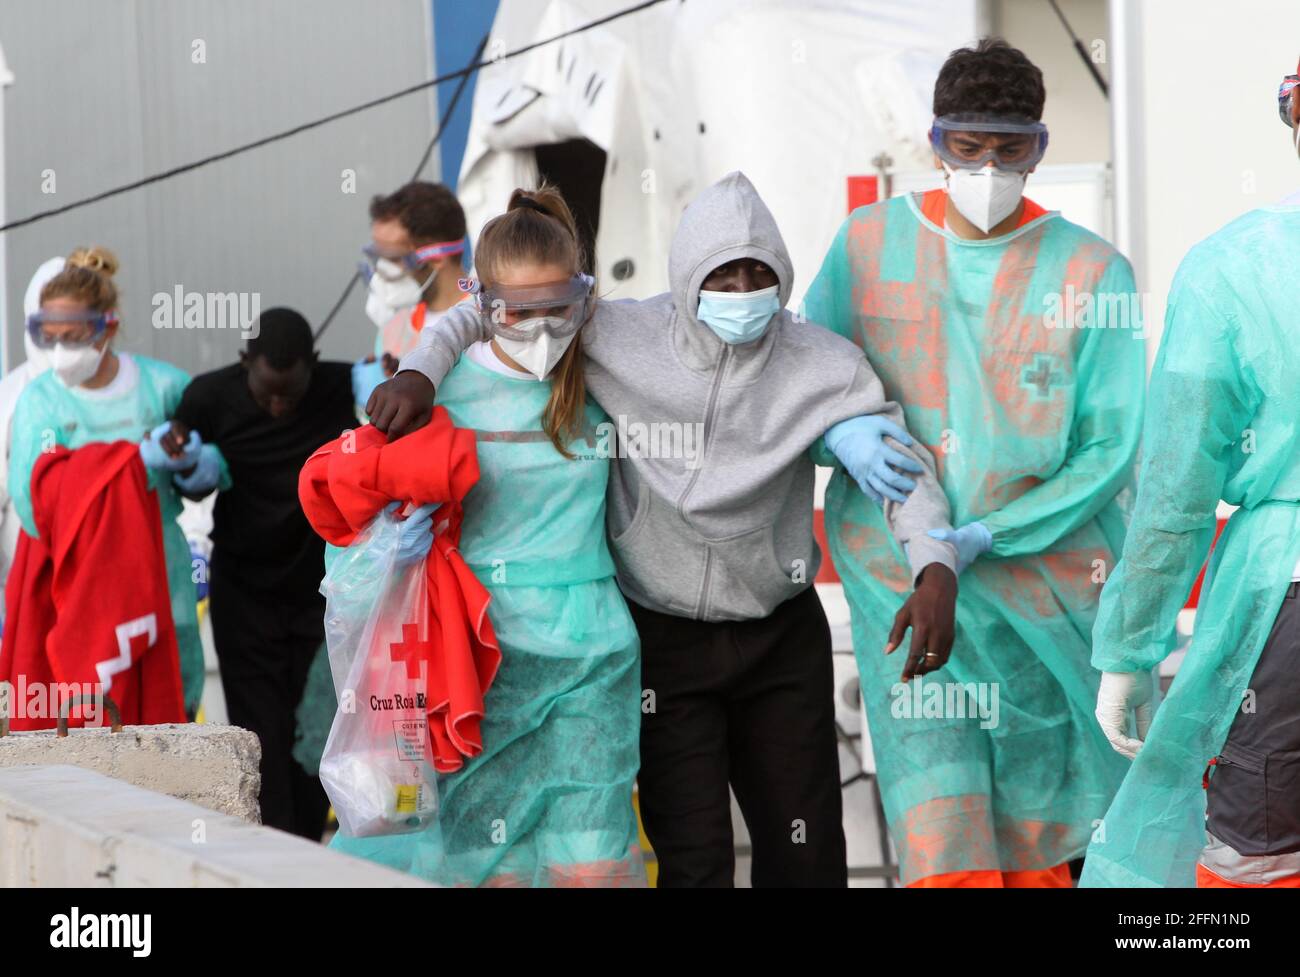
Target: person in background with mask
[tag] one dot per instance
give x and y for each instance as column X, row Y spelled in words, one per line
column 412, row 267
column 711, row 530
column 956, row 296
column 266, row 414
column 92, row 393
column 1213, row 795
column 560, row 721
column 11, row 386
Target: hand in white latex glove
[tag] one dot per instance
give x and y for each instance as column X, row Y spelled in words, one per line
column 1120, row 694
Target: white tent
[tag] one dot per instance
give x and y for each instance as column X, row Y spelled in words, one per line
column 660, row 103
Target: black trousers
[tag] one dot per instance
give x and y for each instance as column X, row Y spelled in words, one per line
column 265, row 647
column 1253, row 801
column 750, row 704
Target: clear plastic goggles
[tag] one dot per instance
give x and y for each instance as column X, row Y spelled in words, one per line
column 76, row 329
column 970, row 141
column 394, row 266
column 524, row 312
column 1285, row 93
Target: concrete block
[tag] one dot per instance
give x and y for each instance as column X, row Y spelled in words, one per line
column 213, row 766
column 66, row 826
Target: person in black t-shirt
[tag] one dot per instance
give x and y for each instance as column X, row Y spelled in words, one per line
column 266, row 414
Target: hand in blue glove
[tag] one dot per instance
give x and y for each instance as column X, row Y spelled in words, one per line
column 416, row 537
column 366, row 375
column 859, row 444
column 972, row 542
column 154, row 455
column 206, row 474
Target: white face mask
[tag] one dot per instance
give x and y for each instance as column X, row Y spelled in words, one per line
column 74, row 365
column 537, row 356
column 389, row 295
column 987, row 196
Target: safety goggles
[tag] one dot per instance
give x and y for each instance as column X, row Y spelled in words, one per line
column 1284, row 95
column 970, row 141
column 394, row 266
column 525, row 312
column 48, row 328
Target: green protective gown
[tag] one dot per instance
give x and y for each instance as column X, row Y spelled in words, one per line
column 549, row 800
column 1034, row 427
column 1224, row 423
column 49, row 413
column 315, row 712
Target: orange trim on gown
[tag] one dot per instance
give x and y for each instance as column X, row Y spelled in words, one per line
column 934, row 204
column 1047, row 878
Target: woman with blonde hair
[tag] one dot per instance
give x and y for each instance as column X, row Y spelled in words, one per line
column 548, row 801
column 93, row 393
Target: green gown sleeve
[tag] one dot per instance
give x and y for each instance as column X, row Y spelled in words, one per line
column 822, row 306
column 1110, row 375
column 825, row 304
column 35, row 429
column 1201, row 405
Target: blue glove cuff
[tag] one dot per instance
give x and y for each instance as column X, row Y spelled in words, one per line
column 206, row 474
column 836, row 433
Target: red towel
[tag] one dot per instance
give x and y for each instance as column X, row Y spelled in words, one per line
column 88, row 601
column 345, row 484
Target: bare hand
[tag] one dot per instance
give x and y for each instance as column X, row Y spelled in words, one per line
column 174, row 441
column 401, row 405
column 930, row 612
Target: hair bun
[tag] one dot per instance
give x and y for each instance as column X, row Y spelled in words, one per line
column 96, row 258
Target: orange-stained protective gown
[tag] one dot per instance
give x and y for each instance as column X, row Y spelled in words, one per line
column 1019, row 363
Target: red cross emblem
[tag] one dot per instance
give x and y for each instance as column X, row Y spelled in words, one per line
column 410, row 650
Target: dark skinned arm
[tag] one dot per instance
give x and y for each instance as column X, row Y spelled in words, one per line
column 401, row 405
column 930, row 612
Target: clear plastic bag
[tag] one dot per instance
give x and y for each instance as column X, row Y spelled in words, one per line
column 376, row 766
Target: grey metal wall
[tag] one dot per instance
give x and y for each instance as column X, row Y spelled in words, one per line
column 107, row 91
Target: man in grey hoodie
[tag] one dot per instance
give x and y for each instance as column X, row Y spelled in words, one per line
column 714, row 546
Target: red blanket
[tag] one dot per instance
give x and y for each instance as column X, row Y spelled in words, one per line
column 345, row 484
column 88, row 601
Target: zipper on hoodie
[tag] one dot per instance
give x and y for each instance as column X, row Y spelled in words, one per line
column 708, row 428
column 709, row 408
column 702, row 605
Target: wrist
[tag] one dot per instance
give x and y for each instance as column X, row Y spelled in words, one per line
column 936, row 576
column 836, row 434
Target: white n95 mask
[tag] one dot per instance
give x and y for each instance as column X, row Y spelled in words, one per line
column 987, row 196
column 74, row 365
column 538, row 355
column 390, row 291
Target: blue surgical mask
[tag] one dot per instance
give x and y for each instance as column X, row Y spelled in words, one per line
column 739, row 317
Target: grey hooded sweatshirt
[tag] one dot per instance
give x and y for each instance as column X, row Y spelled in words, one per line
column 710, row 503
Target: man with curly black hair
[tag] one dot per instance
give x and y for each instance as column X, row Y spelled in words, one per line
column 1000, row 328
